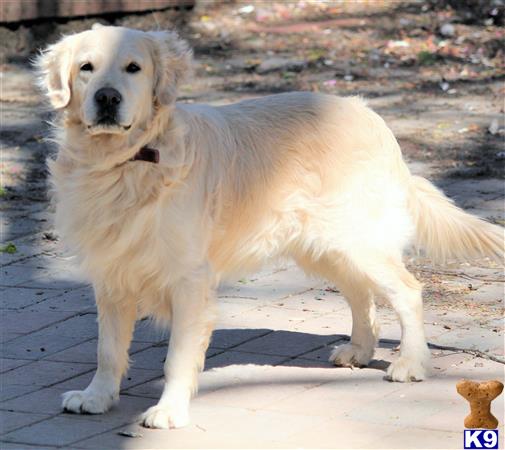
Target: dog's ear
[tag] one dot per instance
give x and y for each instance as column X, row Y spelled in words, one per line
column 53, row 66
column 172, row 63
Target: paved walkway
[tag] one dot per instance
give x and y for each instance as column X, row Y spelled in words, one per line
column 267, row 382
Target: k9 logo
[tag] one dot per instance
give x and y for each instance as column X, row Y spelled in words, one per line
column 481, row 439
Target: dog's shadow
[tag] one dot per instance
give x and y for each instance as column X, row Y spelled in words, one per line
column 264, row 348
column 280, row 348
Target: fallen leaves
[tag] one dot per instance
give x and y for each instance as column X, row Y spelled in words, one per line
column 9, row 248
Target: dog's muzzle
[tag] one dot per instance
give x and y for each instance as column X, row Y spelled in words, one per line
column 107, row 101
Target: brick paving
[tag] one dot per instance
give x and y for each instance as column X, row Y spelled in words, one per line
column 267, row 382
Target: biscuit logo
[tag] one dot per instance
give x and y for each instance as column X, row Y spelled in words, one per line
column 480, row 395
column 481, row 439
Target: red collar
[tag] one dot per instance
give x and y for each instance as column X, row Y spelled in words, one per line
column 147, row 154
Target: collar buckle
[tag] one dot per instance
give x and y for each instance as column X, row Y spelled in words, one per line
column 147, row 154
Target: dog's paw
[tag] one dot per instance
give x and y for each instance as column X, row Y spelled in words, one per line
column 351, row 355
column 407, row 369
column 164, row 417
column 87, row 402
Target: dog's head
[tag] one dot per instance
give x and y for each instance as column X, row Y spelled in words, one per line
column 110, row 79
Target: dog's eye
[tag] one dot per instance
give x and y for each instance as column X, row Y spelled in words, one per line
column 87, row 67
column 132, row 67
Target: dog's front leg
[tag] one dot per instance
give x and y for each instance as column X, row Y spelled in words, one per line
column 193, row 315
column 116, row 319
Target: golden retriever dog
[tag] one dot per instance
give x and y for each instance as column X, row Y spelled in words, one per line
column 161, row 201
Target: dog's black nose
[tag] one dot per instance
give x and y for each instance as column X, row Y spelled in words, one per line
column 107, row 97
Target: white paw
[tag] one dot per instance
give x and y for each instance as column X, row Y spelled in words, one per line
column 351, row 355
column 87, row 402
column 164, row 417
column 407, row 369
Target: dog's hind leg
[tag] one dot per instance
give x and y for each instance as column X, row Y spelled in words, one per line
column 365, row 329
column 116, row 320
column 356, row 288
column 193, row 316
column 403, row 291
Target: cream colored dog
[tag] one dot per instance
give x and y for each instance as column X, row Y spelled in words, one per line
column 160, row 201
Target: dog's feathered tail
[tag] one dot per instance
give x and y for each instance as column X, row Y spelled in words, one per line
column 445, row 231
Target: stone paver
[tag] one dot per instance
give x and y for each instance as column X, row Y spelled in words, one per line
column 12, row 420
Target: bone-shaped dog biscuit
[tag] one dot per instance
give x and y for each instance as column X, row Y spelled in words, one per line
column 480, row 395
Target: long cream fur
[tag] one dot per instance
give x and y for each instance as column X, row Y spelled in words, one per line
column 312, row 177
column 446, row 231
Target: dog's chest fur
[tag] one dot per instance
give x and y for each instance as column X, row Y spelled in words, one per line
column 124, row 225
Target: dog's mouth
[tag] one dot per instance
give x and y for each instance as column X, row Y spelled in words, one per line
column 107, row 124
